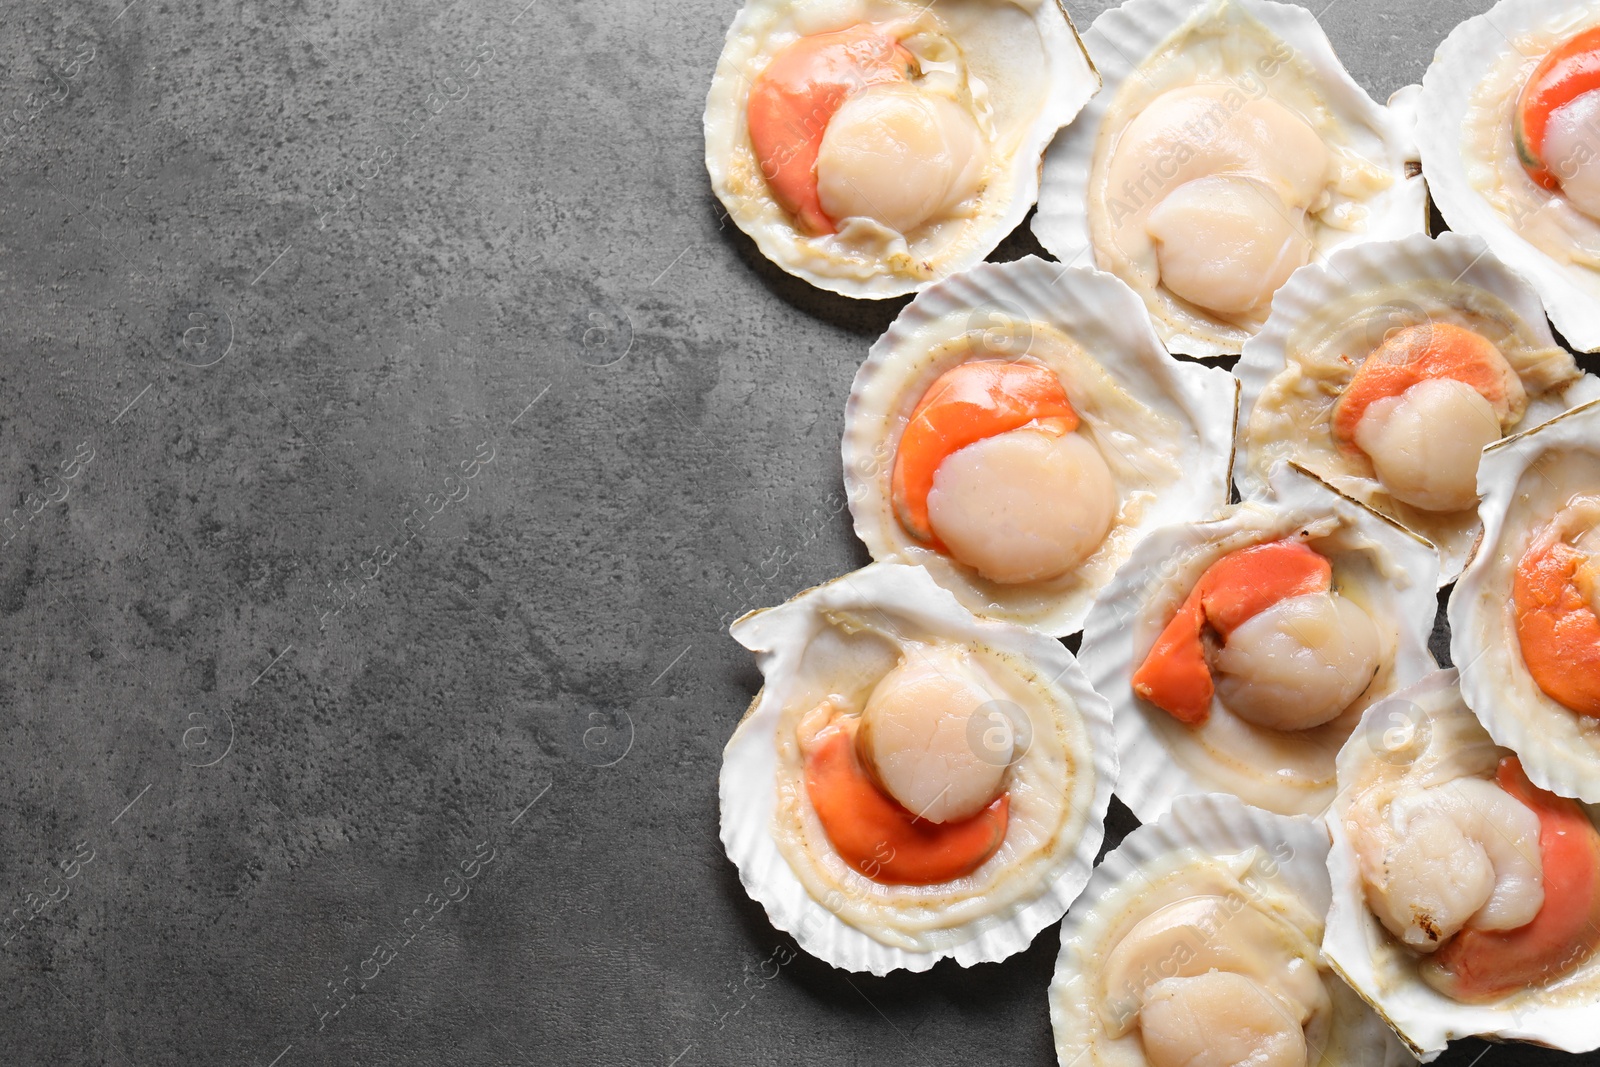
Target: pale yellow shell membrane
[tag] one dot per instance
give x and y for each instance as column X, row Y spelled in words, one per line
column 923, row 178
column 1213, row 894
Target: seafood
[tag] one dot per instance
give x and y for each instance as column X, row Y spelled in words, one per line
column 1466, row 900
column 1239, row 652
column 874, row 146
column 1196, row 944
column 1388, row 368
column 1019, row 428
column 1511, row 148
column 1228, row 148
column 912, row 783
column 1523, row 618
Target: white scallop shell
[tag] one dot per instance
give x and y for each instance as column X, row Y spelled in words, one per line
column 1457, row 259
column 1560, row 749
column 1072, row 80
column 781, row 638
column 1121, row 40
column 1395, row 730
column 1154, row 750
column 1293, row 849
column 1106, row 318
column 1571, row 294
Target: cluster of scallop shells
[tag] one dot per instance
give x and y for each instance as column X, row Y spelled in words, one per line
column 1211, row 183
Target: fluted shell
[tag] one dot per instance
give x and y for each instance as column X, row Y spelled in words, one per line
column 1525, row 480
column 1425, row 731
column 1385, row 570
column 1144, row 47
column 1468, row 156
column 1330, row 315
column 836, row 641
column 1277, row 862
column 1163, row 425
column 1026, row 71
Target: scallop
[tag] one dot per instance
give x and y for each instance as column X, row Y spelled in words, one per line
column 1511, row 150
column 1465, row 898
column 1523, row 617
column 1197, row 944
column 1387, row 369
column 913, row 737
column 1019, row 428
column 872, row 147
column 1228, row 149
column 912, row 783
column 1239, row 652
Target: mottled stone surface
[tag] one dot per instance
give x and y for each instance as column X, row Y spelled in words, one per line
column 393, row 425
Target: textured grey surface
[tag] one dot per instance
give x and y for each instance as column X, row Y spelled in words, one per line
column 393, row 425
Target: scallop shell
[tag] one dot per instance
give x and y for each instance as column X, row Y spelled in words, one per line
column 1001, row 303
column 1386, row 570
column 1397, row 730
column 1398, row 274
column 785, row 640
column 1560, row 749
column 1473, row 50
column 1119, row 42
column 1290, row 856
column 990, row 54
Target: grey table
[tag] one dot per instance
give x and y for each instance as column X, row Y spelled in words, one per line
column 392, row 424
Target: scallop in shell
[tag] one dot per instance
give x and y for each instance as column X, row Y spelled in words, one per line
column 1511, row 148
column 1196, row 943
column 912, row 783
column 873, row 146
column 1019, row 428
column 1386, row 370
column 1228, row 147
column 1523, row 617
column 1465, row 899
column 1239, row 652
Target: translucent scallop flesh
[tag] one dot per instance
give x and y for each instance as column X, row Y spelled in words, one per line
column 916, row 736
